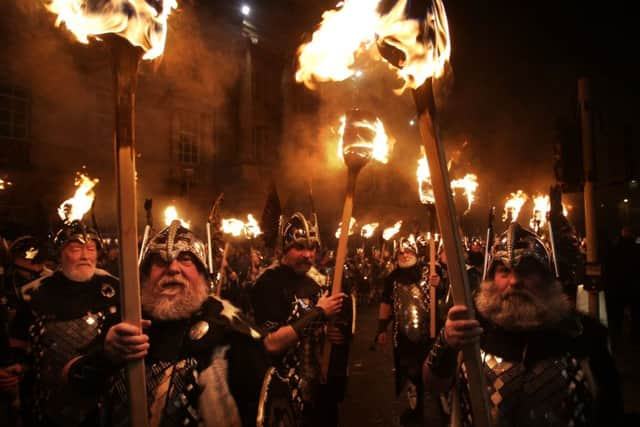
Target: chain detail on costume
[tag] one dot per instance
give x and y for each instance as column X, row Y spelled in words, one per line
column 411, row 310
column 550, row 392
column 56, row 342
column 178, row 399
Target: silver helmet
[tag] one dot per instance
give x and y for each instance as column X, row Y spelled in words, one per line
column 173, row 241
column 297, row 230
column 407, row 243
column 76, row 231
column 517, row 244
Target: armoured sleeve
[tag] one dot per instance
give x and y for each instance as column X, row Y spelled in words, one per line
column 442, row 357
column 305, row 323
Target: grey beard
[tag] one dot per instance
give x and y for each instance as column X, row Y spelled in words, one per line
column 520, row 309
column 78, row 276
column 182, row 306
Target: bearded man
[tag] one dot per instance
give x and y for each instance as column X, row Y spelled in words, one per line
column 545, row 364
column 405, row 302
column 65, row 311
column 293, row 311
column 203, row 360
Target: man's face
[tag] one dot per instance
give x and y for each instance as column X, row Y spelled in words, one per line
column 407, row 259
column 78, row 260
column 522, row 298
column 300, row 258
column 173, row 290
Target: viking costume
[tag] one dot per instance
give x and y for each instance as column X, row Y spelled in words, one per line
column 65, row 317
column 406, row 291
column 204, row 370
column 557, row 374
column 291, row 393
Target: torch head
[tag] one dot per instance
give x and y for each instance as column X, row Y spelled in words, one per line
column 170, row 243
column 358, row 139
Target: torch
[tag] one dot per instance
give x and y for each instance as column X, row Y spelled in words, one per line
column 489, row 242
column 362, row 138
column 435, row 39
column 135, row 29
column 213, row 221
column 419, row 49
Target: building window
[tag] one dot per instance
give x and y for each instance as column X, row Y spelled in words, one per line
column 188, row 150
column 14, row 113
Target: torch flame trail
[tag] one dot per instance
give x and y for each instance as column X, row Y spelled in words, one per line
column 513, row 205
column 389, row 232
column 367, row 230
column 425, row 188
column 76, row 207
column 139, row 22
column 171, row 214
column 469, row 184
column 352, row 223
column 356, row 25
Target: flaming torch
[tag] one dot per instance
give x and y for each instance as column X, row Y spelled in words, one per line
column 352, row 222
column 541, row 205
column 135, row 29
column 362, row 138
column 367, row 230
column 73, row 209
column 513, row 206
column 418, row 49
column 171, row 214
column 469, row 184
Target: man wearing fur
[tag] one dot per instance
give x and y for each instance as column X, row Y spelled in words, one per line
column 289, row 306
column 203, row 361
column 65, row 311
column 544, row 363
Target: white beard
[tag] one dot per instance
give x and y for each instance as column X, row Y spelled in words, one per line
column 521, row 309
column 180, row 306
column 79, row 275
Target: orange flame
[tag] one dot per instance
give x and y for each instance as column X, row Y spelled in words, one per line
column 252, row 228
column 389, row 232
column 379, row 147
column 171, row 214
column 367, row 230
column 541, row 206
column 4, row 184
column 352, row 222
column 425, row 188
column 354, row 27
column 74, row 208
column 236, row 227
column 139, row 22
column 469, row 184
column 513, row 205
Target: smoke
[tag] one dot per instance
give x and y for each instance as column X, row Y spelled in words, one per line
column 69, row 86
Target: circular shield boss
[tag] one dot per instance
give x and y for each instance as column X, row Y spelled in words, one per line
column 276, row 407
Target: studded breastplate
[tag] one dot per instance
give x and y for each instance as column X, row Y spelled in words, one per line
column 55, row 343
column 411, row 310
column 551, row 392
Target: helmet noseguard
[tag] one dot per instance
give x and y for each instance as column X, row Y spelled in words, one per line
column 516, row 244
column 297, row 230
column 173, row 241
column 76, row 231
